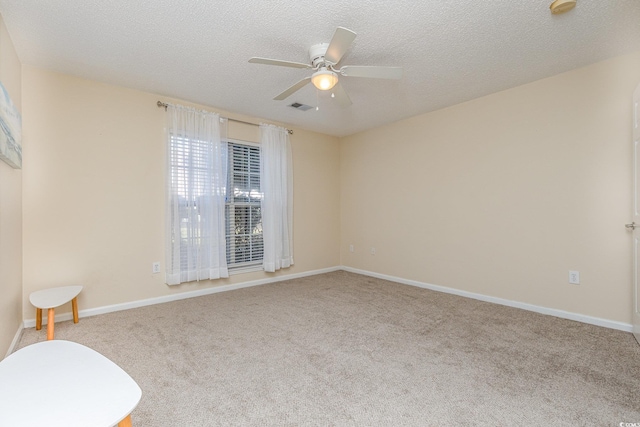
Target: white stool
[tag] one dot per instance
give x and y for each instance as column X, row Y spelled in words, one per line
column 64, row 384
column 52, row 298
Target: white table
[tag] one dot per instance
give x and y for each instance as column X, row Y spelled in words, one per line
column 52, row 298
column 62, row 383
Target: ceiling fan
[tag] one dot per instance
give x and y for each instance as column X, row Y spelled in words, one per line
column 324, row 58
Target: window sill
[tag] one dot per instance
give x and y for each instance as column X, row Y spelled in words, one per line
column 245, row 269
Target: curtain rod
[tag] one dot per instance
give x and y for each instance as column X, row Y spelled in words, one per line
column 161, row 104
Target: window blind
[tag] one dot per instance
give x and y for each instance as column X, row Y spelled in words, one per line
column 243, row 212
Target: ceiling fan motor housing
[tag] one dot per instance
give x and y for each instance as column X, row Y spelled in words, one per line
column 316, row 54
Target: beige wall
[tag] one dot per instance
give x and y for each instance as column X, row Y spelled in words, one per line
column 499, row 196
column 504, row 194
column 94, row 192
column 10, row 210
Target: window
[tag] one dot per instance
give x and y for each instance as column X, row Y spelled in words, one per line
column 243, row 215
column 215, row 198
column 190, row 163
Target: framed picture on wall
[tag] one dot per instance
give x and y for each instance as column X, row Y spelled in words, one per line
column 10, row 131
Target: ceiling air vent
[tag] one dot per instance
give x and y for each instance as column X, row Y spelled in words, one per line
column 302, row 107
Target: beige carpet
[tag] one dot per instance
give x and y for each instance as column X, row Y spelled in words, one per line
column 343, row 349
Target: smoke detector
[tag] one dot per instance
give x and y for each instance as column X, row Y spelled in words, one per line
column 562, row 6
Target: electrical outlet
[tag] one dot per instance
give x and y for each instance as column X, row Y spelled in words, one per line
column 155, row 267
column 574, row 277
column 373, row 251
column 351, row 248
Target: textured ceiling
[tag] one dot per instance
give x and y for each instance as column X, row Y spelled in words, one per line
column 451, row 51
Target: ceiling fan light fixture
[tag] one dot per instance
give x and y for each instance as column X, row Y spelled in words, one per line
column 324, row 79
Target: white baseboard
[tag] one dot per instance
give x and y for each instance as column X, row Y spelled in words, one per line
column 16, row 339
column 31, row 323
column 530, row 307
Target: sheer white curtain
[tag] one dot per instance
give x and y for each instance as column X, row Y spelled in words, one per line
column 276, row 180
column 196, row 186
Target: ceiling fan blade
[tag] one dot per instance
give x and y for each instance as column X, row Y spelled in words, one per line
column 371, row 72
column 278, row 62
column 341, row 96
column 292, row 89
column 339, row 44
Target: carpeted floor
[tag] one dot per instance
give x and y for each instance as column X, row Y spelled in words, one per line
column 343, row 349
